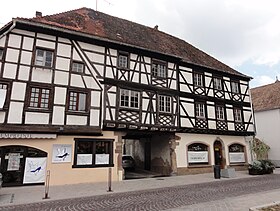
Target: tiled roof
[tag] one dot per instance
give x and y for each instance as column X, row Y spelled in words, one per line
column 266, row 97
column 95, row 23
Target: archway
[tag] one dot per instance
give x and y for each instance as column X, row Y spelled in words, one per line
column 219, row 153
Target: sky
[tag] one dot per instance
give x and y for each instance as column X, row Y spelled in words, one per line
column 243, row 34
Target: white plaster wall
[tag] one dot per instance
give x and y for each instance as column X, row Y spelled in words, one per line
column 2, row 41
column 41, row 75
column 95, row 98
column 267, row 128
column 186, row 139
column 18, row 91
column 76, row 80
column 23, row 73
column 61, row 77
column 19, row 31
column 45, row 36
column 45, row 44
column 90, row 83
column 36, row 118
column 10, row 71
column 15, row 113
column 76, row 120
column 94, row 117
column 14, row 41
column 26, row 57
column 63, row 50
column 60, row 95
column 12, row 55
column 58, row 115
column 2, row 116
column 28, row 43
column 76, row 55
column 62, row 63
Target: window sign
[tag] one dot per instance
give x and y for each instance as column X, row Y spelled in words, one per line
column 84, row 159
column 35, row 170
column 236, row 157
column 198, row 156
column 13, row 161
column 62, row 153
column 102, row 159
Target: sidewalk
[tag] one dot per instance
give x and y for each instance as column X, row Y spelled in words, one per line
column 30, row 194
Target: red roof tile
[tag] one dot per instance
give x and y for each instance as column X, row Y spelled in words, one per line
column 266, row 97
column 91, row 22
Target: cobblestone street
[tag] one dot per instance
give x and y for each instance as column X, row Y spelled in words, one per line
column 161, row 198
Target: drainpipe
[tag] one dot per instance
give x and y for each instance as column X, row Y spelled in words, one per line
column 254, row 124
column 9, row 30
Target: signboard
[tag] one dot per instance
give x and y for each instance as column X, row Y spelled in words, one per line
column 236, row 157
column 101, row 159
column 198, row 156
column 35, row 170
column 62, row 153
column 84, row 159
column 2, row 97
column 13, row 161
column 26, row 135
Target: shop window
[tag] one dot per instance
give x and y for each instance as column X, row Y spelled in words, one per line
column 236, row 153
column 39, row 98
column 93, row 153
column 77, row 101
column 198, row 154
column 44, row 58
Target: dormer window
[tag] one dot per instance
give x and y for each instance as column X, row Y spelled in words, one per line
column 218, row 83
column 235, row 87
column 123, row 60
column 44, row 58
column 159, row 70
column 77, row 67
column 198, row 79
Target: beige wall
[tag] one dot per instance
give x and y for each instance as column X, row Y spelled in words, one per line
column 63, row 173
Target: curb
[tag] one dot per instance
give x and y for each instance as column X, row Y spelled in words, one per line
column 257, row 208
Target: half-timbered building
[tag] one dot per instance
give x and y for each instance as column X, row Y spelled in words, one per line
column 79, row 89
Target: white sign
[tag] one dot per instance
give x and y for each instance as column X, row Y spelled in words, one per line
column 13, row 161
column 101, row 159
column 35, row 170
column 236, row 157
column 84, row 159
column 26, row 135
column 62, row 153
column 198, row 156
column 2, row 97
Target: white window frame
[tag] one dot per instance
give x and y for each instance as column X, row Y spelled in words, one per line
column 77, row 101
column 123, row 60
column 77, row 67
column 218, row 83
column 129, row 98
column 220, row 112
column 200, row 110
column 198, row 79
column 41, row 60
column 235, row 87
column 164, row 103
column 237, row 115
column 159, row 69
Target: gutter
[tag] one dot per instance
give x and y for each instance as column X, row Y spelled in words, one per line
column 9, row 30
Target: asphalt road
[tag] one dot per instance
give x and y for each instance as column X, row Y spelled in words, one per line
column 162, row 198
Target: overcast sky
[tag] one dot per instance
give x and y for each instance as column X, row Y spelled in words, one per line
column 244, row 34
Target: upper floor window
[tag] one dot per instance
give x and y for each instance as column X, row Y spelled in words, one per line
column 237, row 115
column 1, row 53
column 234, row 87
column 3, row 86
column 123, row 60
column 200, row 110
column 159, row 70
column 77, row 101
column 129, row 98
column 3, row 93
column 197, row 79
column 44, row 58
column 220, row 113
column 78, row 67
column 164, row 103
column 39, row 98
column 218, row 83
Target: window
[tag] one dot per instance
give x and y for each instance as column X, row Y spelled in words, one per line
column 3, row 94
column 159, row 70
column 164, row 103
column 1, row 54
column 220, row 114
column 236, row 153
column 235, row 87
column 237, row 115
column 129, row 98
column 197, row 154
column 39, row 98
column 44, row 58
column 78, row 67
column 218, row 83
column 93, row 153
column 198, row 79
column 200, row 110
column 123, row 61
column 77, row 101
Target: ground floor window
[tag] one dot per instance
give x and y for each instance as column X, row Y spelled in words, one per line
column 93, row 153
column 197, row 154
column 236, row 153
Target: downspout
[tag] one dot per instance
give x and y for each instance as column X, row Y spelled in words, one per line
column 254, row 123
column 9, row 30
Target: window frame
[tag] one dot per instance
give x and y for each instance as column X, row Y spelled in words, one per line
column 202, row 150
column 43, row 58
column 130, row 98
column 40, row 98
column 235, row 88
column 158, row 73
column 94, row 142
column 165, row 104
column 237, row 111
column 218, row 112
column 1, row 54
column 77, row 102
column 217, row 87
column 199, row 104
column 120, row 55
column 198, row 79
column 79, row 63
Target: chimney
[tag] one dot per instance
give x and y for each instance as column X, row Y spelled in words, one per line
column 38, row 14
column 156, row 27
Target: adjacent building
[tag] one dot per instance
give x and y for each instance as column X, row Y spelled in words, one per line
column 266, row 104
column 79, row 89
